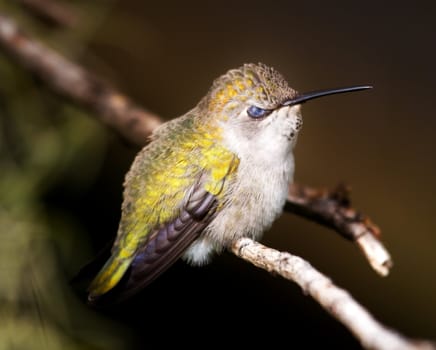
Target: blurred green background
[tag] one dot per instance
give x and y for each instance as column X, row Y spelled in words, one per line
column 61, row 172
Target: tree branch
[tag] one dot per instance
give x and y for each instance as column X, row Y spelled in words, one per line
column 78, row 84
column 331, row 209
column 336, row 301
column 51, row 12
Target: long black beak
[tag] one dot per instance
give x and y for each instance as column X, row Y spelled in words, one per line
column 301, row 98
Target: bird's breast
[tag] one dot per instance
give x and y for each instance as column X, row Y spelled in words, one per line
column 253, row 200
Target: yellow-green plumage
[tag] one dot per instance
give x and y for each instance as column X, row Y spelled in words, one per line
column 157, row 183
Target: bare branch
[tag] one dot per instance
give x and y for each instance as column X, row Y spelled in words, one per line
column 79, row 85
column 333, row 209
column 50, row 11
column 336, row 301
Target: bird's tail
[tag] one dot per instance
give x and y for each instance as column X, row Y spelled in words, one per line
column 109, row 276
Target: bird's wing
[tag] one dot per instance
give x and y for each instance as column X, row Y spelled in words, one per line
column 168, row 243
column 162, row 215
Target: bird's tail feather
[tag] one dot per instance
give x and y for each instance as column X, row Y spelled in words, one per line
column 94, row 277
column 109, row 276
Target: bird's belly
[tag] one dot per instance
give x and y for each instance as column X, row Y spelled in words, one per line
column 250, row 211
column 251, row 204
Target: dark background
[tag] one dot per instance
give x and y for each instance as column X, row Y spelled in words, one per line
column 165, row 55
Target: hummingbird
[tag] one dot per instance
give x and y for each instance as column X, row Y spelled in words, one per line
column 215, row 174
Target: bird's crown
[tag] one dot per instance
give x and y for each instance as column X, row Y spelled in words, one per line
column 254, row 83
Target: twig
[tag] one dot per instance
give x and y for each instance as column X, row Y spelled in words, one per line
column 333, row 209
column 135, row 124
column 51, row 12
column 338, row 302
column 77, row 84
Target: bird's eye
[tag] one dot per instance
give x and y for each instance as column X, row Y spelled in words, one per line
column 257, row 112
